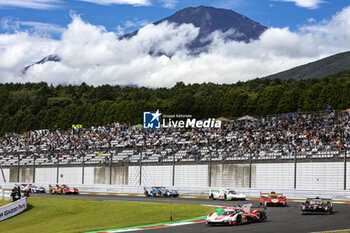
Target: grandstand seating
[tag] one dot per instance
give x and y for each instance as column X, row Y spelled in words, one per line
column 306, row 137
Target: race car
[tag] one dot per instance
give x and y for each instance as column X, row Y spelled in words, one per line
column 316, row 205
column 273, row 199
column 236, row 215
column 63, row 189
column 32, row 188
column 160, row 191
column 226, row 194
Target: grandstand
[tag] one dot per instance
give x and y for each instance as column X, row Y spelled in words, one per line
column 325, row 136
column 304, row 151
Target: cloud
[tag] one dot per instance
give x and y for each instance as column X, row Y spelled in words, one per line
column 311, row 4
column 11, row 24
column 130, row 26
column 164, row 3
column 19, row 49
column 311, row 20
column 8, row 23
column 169, row 3
column 32, row 4
column 96, row 56
column 117, row 2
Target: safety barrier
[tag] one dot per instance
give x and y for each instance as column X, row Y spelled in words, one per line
column 253, row 192
column 13, row 209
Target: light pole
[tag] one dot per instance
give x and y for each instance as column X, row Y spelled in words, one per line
column 250, row 168
column 209, row 164
column 173, row 152
column 18, row 165
column 58, row 166
column 345, row 161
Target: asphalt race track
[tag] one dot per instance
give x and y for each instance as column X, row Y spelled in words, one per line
column 279, row 219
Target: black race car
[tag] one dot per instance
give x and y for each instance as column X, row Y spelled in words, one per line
column 317, row 205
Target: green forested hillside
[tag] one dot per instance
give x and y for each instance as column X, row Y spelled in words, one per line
column 40, row 106
column 318, row 69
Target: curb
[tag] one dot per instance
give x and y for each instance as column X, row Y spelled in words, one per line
column 197, row 197
column 154, row 226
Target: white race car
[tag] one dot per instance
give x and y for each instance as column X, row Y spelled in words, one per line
column 226, row 194
column 32, row 188
column 236, row 215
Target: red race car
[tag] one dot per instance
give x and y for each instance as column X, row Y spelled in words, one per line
column 63, row 189
column 236, row 215
column 273, row 199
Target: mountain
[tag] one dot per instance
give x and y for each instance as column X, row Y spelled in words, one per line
column 51, row 57
column 210, row 19
column 236, row 27
column 317, row 69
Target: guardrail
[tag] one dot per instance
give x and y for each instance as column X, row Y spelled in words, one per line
column 204, row 191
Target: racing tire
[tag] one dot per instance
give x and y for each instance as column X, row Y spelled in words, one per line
column 239, row 220
column 225, row 196
column 263, row 216
column 211, row 197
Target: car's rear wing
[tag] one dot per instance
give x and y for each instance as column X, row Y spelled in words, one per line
column 320, row 197
column 247, row 208
column 271, row 194
column 324, row 199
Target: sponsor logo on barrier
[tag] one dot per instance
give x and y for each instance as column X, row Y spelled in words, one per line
column 13, row 209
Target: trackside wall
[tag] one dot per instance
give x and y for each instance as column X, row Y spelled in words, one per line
column 274, row 175
column 309, row 175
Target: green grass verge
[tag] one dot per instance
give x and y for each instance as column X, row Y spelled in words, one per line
column 4, row 202
column 340, row 231
column 81, row 215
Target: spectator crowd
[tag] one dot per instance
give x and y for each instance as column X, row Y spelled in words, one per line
column 297, row 134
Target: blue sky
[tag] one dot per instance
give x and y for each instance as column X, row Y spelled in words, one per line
column 129, row 15
column 85, row 35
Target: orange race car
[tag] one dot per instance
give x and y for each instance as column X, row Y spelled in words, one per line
column 273, row 199
column 63, row 189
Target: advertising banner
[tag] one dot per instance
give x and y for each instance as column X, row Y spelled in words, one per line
column 13, row 209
